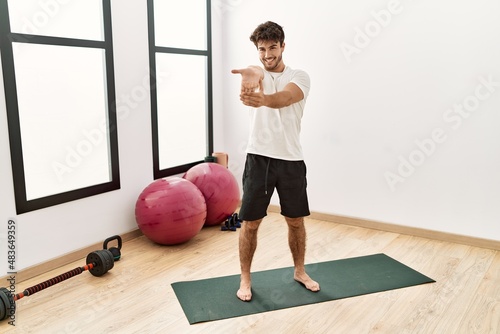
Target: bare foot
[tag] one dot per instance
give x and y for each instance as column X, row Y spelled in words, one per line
column 245, row 291
column 306, row 281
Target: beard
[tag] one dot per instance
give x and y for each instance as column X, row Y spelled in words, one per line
column 273, row 65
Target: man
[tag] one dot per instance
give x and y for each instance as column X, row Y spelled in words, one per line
column 277, row 95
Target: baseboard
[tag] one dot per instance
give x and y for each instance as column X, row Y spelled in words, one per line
column 42, row 268
column 407, row 230
column 33, row 271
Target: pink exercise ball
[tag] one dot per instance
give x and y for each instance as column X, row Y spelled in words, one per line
column 170, row 211
column 220, row 189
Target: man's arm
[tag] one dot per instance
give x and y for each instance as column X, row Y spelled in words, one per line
column 289, row 95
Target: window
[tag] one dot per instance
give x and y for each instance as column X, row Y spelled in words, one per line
column 181, row 81
column 57, row 61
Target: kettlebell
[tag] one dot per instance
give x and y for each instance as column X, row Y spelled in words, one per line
column 116, row 251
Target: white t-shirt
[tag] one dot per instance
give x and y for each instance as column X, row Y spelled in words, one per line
column 275, row 133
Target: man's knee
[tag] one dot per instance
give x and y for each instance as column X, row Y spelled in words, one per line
column 252, row 224
column 295, row 222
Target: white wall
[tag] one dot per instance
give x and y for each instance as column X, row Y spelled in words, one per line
column 366, row 110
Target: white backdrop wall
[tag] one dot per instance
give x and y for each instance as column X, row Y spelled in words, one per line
column 401, row 124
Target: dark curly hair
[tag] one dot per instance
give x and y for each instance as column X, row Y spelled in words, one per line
column 268, row 31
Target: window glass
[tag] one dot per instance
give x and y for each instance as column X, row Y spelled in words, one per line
column 181, row 24
column 62, row 111
column 182, row 109
column 180, row 59
column 79, row 19
column 57, row 64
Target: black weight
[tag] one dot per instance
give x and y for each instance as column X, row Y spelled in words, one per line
column 3, row 303
column 103, row 260
column 109, row 258
column 7, row 304
column 237, row 220
column 116, row 251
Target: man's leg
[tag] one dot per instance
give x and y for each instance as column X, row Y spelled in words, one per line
column 297, row 242
column 247, row 246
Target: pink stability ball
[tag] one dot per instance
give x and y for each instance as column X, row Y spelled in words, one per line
column 220, row 189
column 170, row 211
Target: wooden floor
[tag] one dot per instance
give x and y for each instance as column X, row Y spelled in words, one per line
column 136, row 295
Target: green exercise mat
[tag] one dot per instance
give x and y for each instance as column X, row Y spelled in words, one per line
column 215, row 298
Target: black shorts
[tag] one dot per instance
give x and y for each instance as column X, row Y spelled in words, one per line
column 262, row 175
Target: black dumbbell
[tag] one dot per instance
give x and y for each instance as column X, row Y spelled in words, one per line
column 98, row 263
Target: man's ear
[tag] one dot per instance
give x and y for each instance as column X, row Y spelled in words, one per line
column 283, row 46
